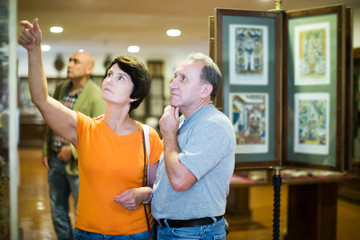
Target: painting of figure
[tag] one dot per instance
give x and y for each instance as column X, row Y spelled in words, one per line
column 312, row 54
column 249, row 116
column 248, row 54
column 249, row 50
column 312, row 123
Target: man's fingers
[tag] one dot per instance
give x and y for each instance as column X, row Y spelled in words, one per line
column 176, row 112
column 47, row 165
column 45, row 161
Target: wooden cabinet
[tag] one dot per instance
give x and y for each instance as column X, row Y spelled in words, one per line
column 32, row 133
column 312, row 203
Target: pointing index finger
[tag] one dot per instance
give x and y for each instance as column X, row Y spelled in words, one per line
column 26, row 24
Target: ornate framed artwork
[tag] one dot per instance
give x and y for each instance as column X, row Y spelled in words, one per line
column 249, row 116
column 312, row 53
column 311, row 123
column 248, row 53
column 314, row 92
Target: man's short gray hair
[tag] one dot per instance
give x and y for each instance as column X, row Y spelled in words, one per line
column 210, row 72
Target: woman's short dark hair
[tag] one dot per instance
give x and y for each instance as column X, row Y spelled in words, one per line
column 139, row 74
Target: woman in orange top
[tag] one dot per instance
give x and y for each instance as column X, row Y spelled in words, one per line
column 110, row 147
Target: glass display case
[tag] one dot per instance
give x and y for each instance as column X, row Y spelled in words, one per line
column 4, row 116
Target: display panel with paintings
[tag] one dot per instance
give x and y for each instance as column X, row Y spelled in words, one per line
column 248, row 54
column 314, row 115
column 283, row 84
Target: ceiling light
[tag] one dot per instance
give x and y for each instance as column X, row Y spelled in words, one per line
column 173, row 32
column 45, row 48
column 81, row 50
column 133, row 49
column 56, row 29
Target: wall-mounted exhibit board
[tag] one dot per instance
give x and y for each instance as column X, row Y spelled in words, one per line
column 284, row 83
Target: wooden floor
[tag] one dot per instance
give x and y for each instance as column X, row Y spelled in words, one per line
column 35, row 221
column 34, row 207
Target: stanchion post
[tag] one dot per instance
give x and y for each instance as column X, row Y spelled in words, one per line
column 276, row 217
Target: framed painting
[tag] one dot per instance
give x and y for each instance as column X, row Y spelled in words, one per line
column 248, row 52
column 312, row 53
column 311, row 121
column 249, row 117
column 314, row 92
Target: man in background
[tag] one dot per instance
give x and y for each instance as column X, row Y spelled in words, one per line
column 79, row 93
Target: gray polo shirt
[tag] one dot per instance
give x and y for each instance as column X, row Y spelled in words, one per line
column 207, row 144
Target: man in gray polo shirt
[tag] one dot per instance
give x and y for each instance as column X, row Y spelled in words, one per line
column 192, row 181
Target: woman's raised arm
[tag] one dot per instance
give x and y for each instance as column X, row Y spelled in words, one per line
column 59, row 118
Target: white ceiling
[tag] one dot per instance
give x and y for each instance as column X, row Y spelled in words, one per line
column 101, row 26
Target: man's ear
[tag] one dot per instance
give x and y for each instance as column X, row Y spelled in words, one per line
column 207, row 90
column 89, row 70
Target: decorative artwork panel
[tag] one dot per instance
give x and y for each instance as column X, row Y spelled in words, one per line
column 248, row 54
column 312, row 54
column 312, row 111
column 249, row 116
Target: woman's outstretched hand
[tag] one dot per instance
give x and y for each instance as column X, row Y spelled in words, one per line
column 30, row 37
